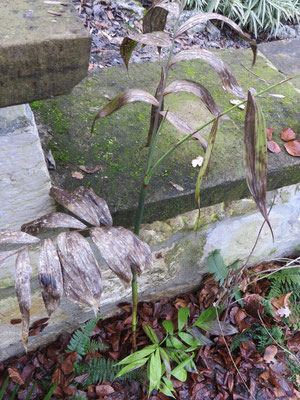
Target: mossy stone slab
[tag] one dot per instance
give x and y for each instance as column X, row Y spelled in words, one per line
column 41, row 54
column 285, row 55
column 118, row 144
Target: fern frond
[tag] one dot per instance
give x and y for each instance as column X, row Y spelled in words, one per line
column 288, row 275
column 80, row 340
column 100, row 370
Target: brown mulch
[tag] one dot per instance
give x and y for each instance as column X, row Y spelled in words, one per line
column 266, row 374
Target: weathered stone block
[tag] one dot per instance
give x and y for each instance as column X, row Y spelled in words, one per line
column 41, row 54
column 179, row 254
column 24, row 178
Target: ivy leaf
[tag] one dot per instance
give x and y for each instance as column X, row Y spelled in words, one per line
column 155, row 371
column 169, row 326
column 151, row 334
column 132, row 366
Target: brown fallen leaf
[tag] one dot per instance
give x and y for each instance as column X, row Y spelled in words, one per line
column 69, row 360
column 90, row 171
column 269, row 132
column 293, row 148
column 104, row 390
column 178, row 187
column 77, row 175
column 15, row 376
column 270, row 353
column 288, row 134
column 273, row 147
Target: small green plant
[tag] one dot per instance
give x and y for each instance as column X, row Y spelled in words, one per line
column 174, row 355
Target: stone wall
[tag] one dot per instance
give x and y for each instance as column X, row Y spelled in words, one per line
column 179, row 254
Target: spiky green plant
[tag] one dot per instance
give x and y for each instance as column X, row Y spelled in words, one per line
column 254, row 15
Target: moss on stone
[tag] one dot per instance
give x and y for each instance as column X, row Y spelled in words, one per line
column 118, row 140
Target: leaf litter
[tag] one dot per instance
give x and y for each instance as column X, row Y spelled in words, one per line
column 266, row 372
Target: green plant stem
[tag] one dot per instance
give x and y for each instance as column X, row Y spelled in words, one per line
column 187, row 137
column 143, row 191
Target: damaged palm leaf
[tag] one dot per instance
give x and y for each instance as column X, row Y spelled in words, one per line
column 204, row 167
column 202, row 18
column 195, row 88
column 126, row 49
column 22, row 286
column 16, row 237
column 52, row 221
column 155, row 19
column 183, row 127
column 121, row 250
column 155, row 109
column 77, row 204
column 228, row 80
column 81, row 274
column 100, row 204
column 159, row 39
column 50, row 276
column 124, row 98
column 256, row 160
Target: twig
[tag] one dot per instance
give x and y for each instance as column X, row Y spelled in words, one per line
column 253, row 73
column 230, row 355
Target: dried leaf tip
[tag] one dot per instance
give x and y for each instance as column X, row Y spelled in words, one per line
column 23, row 274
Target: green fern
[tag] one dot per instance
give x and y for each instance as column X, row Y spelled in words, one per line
column 260, row 335
column 101, row 370
column 81, row 342
column 283, row 282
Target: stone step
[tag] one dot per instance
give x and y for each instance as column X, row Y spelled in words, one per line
column 41, row 54
column 118, row 142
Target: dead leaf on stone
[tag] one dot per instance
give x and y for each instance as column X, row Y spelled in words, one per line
column 269, row 132
column 236, row 102
column 288, row 134
column 52, row 221
column 197, row 162
column 121, row 250
column 279, row 96
column 81, row 274
column 77, row 175
column 23, row 274
column 90, row 171
column 50, row 276
column 77, row 204
column 178, row 187
column 273, row 147
column 16, row 237
column 270, row 353
column 293, row 148
column 100, row 205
